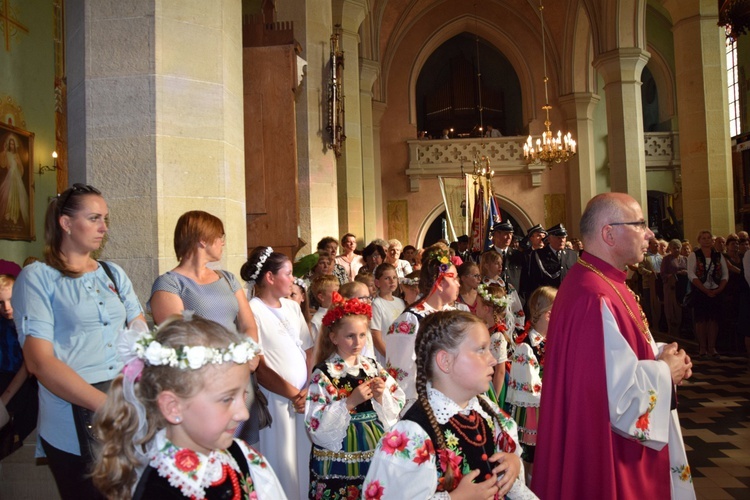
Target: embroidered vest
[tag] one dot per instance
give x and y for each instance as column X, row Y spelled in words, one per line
column 346, row 384
column 700, row 268
column 464, row 456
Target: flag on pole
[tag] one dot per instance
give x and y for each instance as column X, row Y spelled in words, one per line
column 477, row 220
column 493, row 217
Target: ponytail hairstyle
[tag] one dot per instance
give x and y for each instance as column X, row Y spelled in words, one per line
column 443, row 331
column 540, row 302
column 130, row 417
column 340, row 310
column 261, row 260
column 69, row 203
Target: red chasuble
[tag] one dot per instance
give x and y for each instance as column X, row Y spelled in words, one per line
column 578, row 454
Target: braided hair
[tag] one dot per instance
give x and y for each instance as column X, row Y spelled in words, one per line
column 443, row 330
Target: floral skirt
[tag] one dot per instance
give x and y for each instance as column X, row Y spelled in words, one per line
column 339, row 474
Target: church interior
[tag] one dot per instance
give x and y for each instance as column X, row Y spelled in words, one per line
column 292, row 120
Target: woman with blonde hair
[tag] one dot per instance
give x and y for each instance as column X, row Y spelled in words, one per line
column 392, row 257
column 708, row 274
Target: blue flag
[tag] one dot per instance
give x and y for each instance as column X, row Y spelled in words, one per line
column 493, row 217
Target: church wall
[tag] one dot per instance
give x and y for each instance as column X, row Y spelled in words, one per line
column 396, row 129
column 27, row 82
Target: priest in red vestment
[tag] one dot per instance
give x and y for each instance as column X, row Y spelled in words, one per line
column 608, row 425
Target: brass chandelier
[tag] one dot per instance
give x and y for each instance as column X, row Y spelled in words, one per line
column 550, row 148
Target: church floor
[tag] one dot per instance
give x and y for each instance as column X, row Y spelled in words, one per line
column 714, row 410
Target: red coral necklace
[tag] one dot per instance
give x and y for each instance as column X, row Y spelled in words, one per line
column 471, row 423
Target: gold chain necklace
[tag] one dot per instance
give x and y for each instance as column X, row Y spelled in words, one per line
column 643, row 324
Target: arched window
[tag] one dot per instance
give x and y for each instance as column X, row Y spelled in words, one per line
column 448, row 90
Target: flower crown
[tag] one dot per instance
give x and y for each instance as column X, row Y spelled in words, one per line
column 138, row 346
column 259, row 265
column 345, row 307
column 409, row 281
column 303, row 284
column 484, row 292
column 442, row 256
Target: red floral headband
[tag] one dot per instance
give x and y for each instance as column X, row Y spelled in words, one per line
column 346, row 307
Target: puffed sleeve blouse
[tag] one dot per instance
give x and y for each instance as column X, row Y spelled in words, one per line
column 81, row 317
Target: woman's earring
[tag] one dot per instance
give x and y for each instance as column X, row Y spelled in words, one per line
column 68, row 231
column 177, row 420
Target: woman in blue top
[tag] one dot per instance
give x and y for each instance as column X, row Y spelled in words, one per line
column 68, row 312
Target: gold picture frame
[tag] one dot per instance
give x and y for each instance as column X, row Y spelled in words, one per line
column 16, row 183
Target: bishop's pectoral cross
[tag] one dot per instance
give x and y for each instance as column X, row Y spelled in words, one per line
column 9, row 23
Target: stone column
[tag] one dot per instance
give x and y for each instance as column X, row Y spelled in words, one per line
column 579, row 107
column 349, row 14
column 155, row 120
column 621, row 70
column 702, row 114
column 369, row 71
column 319, row 213
column 378, row 108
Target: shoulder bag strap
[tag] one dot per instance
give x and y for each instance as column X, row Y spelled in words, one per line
column 111, row 276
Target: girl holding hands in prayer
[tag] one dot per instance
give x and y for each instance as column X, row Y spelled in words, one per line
column 351, row 402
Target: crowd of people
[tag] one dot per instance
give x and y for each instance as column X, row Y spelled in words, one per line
column 392, row 372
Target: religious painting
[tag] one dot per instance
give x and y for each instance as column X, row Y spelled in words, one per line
column 554, row 209
column 16, row 176
column 398, row 221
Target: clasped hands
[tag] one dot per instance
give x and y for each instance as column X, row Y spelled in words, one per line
column 678, row 361
column 371, row 389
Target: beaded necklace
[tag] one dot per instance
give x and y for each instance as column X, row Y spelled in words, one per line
column 643, row 324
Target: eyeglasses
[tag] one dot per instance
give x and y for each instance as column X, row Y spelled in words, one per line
column 476, row 276
column 365, row 298
column 78, row 189
column 641, row 225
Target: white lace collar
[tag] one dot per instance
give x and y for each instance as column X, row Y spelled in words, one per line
column 535, row 338
column 444, row 407
column 338, row 368
column 189, row 471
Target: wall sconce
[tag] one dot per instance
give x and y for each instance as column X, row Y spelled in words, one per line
column 47, row 168
column 335, row 127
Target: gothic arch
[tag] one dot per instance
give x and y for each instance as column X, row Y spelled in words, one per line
column 505, row 204
column 578, row 72
column 665, row 84
column 491, row 34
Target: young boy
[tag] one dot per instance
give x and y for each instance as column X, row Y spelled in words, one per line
column 368, row 280
column 18, row 392
column 322, row 289
column 385, row 307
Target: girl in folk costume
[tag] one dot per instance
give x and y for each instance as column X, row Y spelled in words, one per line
column 451, row 443
column 491, row 265
column 469, row 277
column 386, row 307
column 438, row 285
column 168, row 422
column 410, row 287
column 283, row 369
column 351, row 402
column 492, row 305
column 527, row 366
